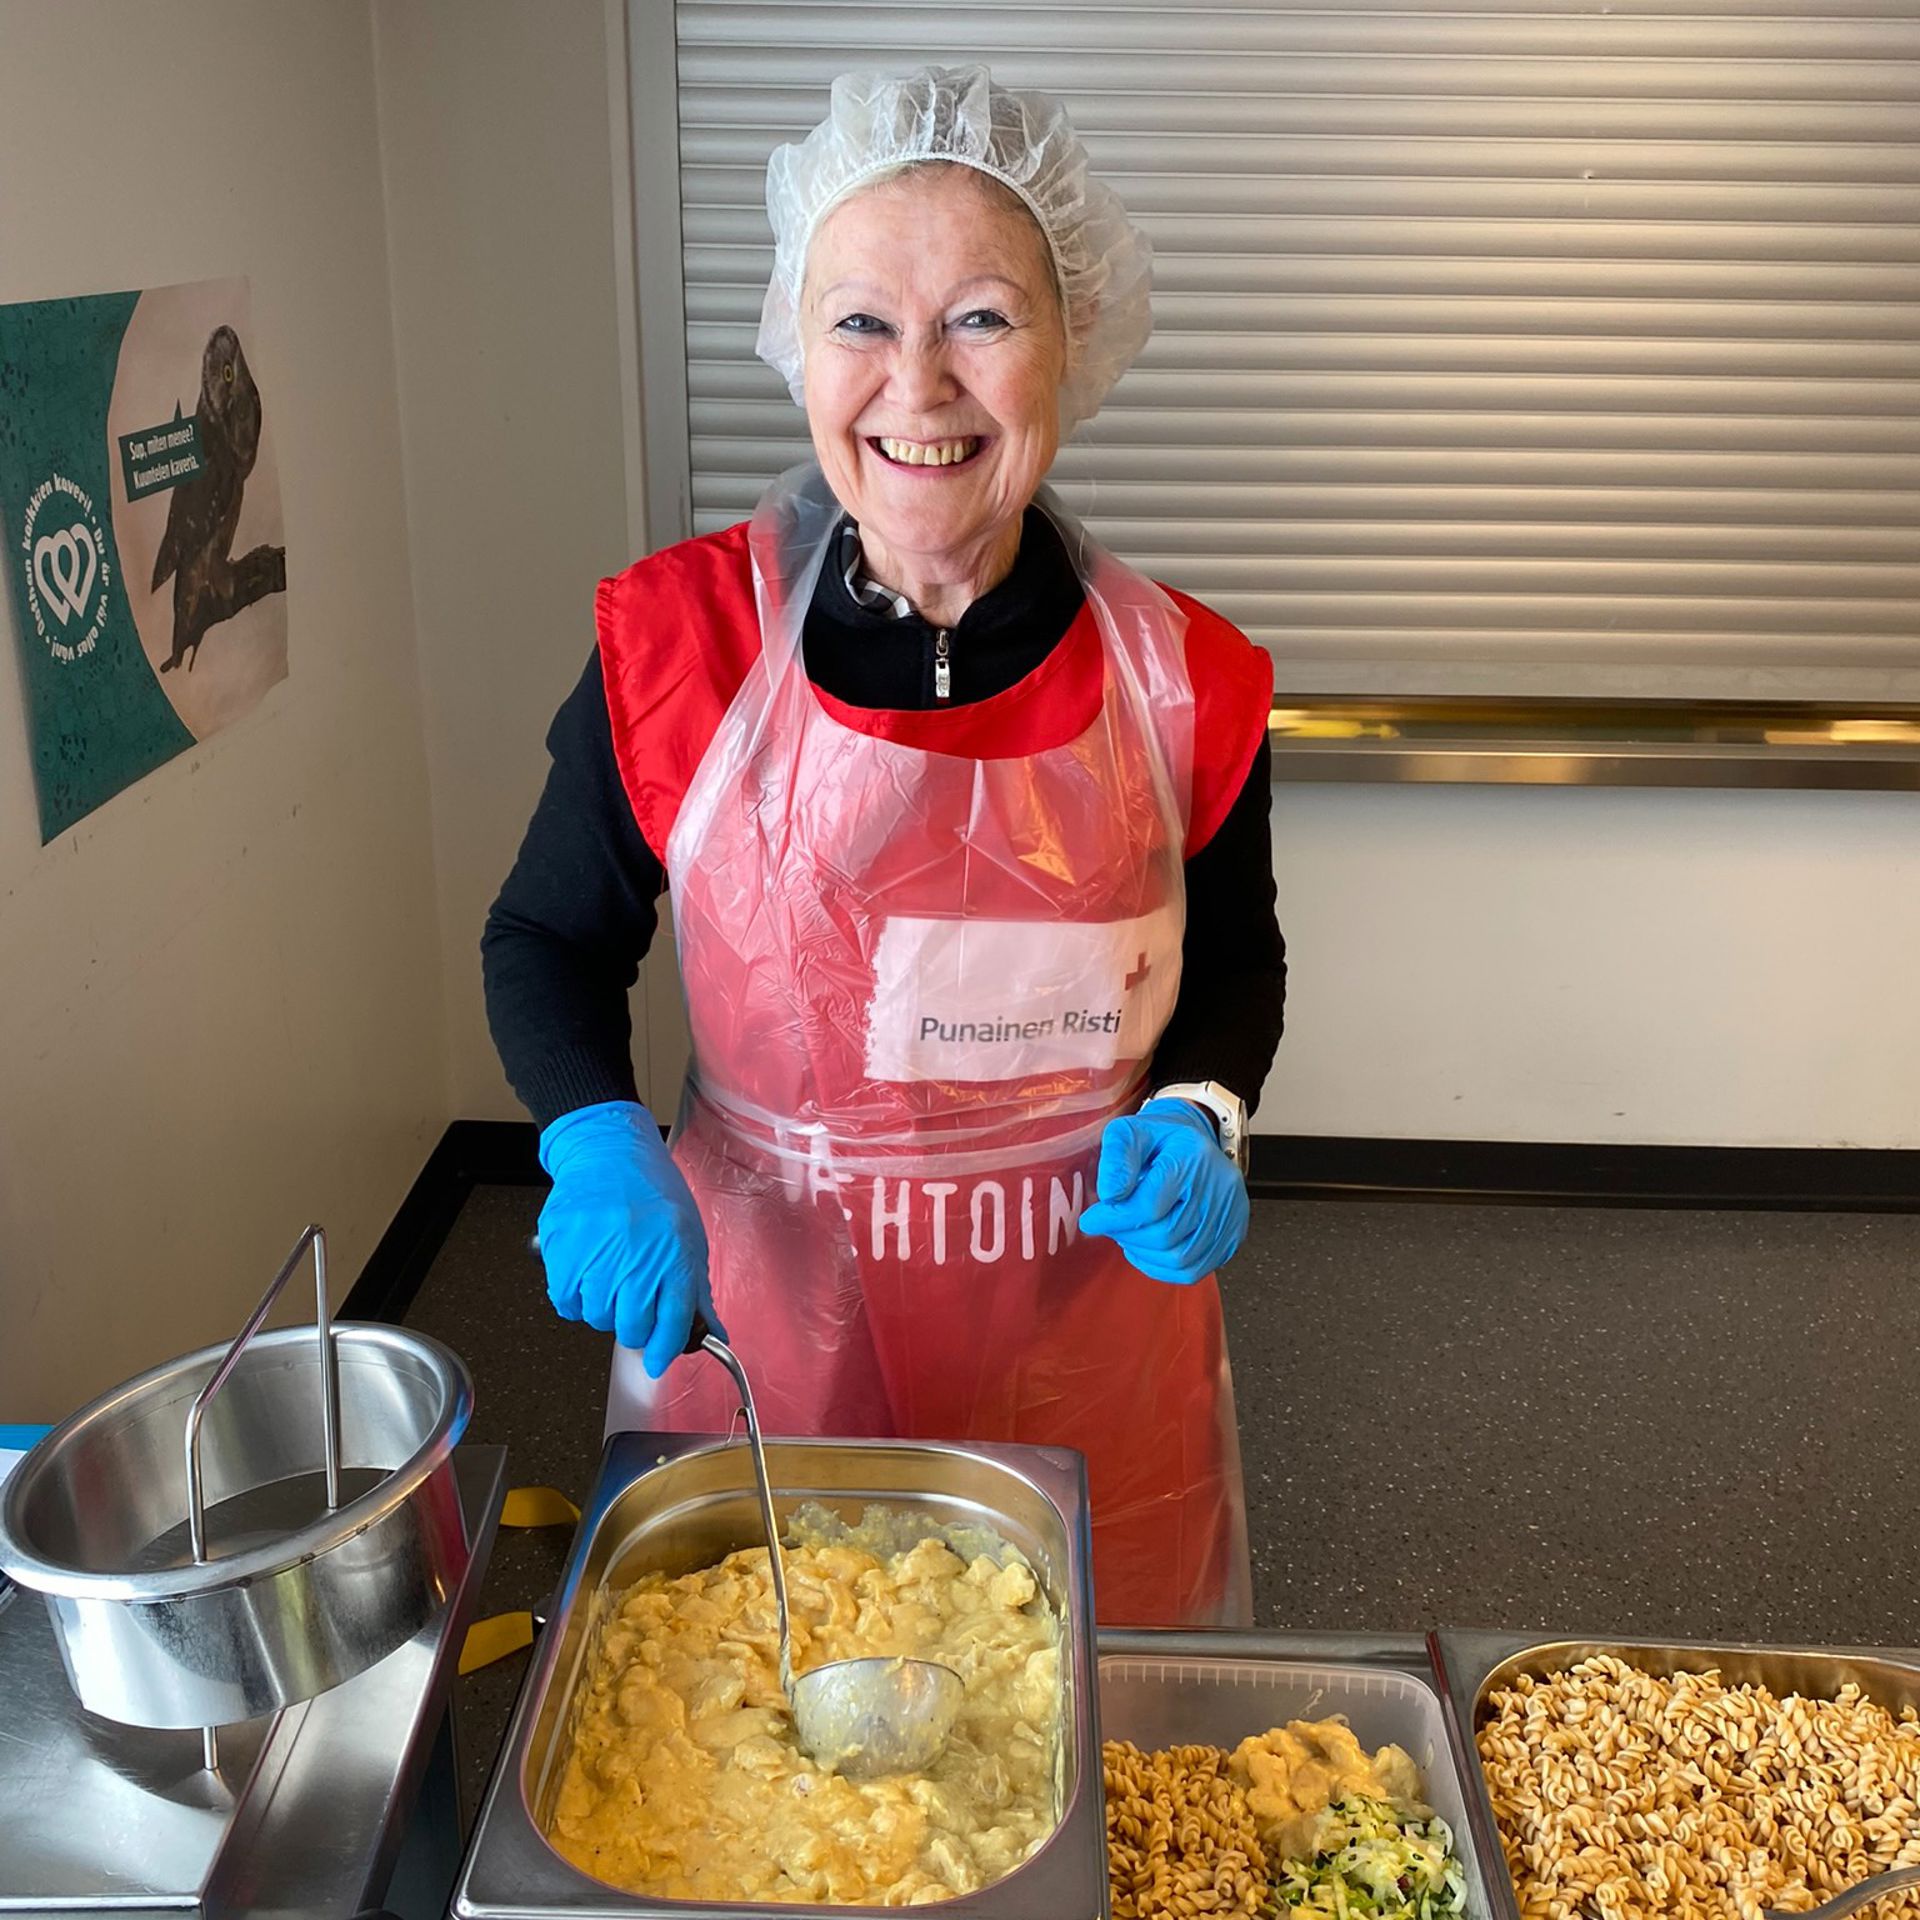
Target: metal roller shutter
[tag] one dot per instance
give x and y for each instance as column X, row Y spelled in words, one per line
column 1497, row 347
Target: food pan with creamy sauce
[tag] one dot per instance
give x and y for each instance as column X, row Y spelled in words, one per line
column 673, row 1532
column 685, row 1779
column 1683, row 1780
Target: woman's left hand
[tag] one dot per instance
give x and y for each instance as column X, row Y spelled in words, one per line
column 1172, row 1202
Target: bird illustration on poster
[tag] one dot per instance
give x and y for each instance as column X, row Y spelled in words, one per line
column 195, row 551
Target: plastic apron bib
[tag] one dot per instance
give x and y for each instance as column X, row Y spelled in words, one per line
column 919, row 985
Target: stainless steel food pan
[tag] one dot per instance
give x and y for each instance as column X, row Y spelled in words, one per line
column 676, row 1503
column 1217, row 1689
column 1471, row 1666
column 292, row 1598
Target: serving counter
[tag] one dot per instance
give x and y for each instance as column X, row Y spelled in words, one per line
column 311, row 1808
column 673, row 1504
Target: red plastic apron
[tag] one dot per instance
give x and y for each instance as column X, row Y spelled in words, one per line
column 919, row 985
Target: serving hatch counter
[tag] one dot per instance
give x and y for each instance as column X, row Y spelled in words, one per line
column 676, row 1504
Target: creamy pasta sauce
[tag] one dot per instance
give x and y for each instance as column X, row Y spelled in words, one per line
column 1293, row 1774
column 684, row 1779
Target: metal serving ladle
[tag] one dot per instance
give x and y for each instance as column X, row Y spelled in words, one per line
column 1876, row 1886
column 866, row 1717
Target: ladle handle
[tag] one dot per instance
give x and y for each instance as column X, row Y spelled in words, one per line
column 705, row 1340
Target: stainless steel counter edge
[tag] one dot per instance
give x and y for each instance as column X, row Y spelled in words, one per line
column 1536, row 741
column 323, row 1842
column 1462, row 1659
column 1400, row 1651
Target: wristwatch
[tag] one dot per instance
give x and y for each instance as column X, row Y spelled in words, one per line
column 1229, row 1112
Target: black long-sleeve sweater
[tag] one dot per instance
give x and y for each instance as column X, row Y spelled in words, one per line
column 564, row 940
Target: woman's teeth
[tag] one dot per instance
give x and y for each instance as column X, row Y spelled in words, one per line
column 936, row 453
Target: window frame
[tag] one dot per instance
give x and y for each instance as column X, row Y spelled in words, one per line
column 1493, row 739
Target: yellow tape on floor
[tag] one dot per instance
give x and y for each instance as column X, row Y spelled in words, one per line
column 538, row 1507
column 506, row 1633
column 494, row 1638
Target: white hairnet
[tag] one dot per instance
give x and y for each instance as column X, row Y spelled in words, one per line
column 878, row 123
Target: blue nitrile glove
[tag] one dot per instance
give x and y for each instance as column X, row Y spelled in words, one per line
column 1172, row 1201
column 621, row 1236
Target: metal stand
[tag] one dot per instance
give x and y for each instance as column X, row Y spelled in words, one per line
column 314, row 1237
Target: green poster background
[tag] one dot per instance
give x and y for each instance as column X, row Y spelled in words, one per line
column 99, row 719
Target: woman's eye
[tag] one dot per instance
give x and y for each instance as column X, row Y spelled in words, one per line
column 982, row 320
column 860, row 323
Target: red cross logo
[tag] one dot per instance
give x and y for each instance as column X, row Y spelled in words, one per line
column 1140, row 972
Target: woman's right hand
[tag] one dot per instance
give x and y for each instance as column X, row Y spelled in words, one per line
column 624, row 1245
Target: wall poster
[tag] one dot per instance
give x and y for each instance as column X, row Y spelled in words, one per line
column 142, row 534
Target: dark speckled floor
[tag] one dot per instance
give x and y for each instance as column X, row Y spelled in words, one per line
column 1653, row 1422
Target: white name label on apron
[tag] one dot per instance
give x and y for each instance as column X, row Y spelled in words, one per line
column 1000, row 999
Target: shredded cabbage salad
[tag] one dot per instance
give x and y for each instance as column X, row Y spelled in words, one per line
column 1375, row 1863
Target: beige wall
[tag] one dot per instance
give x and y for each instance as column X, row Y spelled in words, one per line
column 495, row 123
column 1488, row 963
column 220, row 994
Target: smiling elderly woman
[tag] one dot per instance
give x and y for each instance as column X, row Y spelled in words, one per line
column 965, row 830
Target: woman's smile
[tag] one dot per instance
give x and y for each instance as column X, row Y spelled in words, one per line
column 930, row 457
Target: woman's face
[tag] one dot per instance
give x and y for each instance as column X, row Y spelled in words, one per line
column 934, row 354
